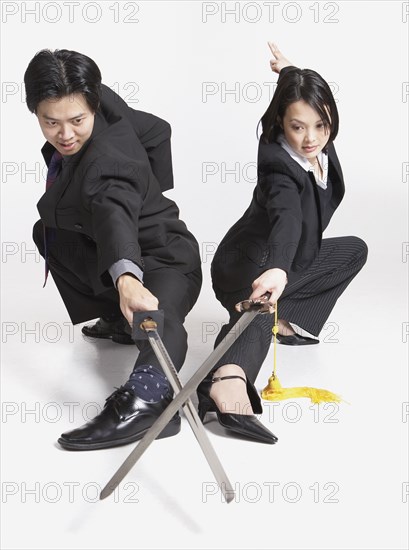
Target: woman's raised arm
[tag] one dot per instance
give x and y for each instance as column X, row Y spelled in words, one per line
column 279, row 61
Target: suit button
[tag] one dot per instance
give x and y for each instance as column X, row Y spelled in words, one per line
column 78, row 226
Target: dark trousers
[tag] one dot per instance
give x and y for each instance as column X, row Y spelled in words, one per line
column 307, row 301
column 71, row 256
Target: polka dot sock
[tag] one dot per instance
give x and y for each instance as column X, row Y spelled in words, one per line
column 148, row 383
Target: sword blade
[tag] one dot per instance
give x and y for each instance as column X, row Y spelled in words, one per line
column 178, row 402
column 192, row 416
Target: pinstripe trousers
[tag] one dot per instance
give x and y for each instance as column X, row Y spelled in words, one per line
column 307, row 301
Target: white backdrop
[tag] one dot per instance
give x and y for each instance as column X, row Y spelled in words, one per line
column 204, row 67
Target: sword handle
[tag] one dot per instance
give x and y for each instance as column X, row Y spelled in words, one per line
column 261, row 305
column 149, row 325
column 145, row 321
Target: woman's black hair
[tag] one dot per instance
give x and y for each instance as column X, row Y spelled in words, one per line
column 56, row 74
column 294, row 85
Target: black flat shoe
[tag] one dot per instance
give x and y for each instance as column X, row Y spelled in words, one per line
column 125, row 418
column 296, row 340
column 117, row 330
column 242, row 424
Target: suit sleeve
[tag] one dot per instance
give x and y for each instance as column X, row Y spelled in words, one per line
column 283, row 204
column 113, row 192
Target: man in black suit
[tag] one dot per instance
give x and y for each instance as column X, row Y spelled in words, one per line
column 113, row 243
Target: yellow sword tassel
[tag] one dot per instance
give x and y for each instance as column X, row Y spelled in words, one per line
column 274, row 390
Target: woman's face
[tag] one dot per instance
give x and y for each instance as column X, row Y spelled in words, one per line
column 304, row 130
column 66, row 122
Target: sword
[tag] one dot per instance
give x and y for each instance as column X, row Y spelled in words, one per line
column 251, row 309
column 151, row 329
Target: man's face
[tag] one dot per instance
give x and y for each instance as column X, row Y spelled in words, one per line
column 66, row 122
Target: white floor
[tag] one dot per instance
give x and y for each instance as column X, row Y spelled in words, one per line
column 336, row 479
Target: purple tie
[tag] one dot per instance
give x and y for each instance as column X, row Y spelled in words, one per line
column 53, row 170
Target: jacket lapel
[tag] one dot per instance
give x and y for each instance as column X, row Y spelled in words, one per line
column 47, row 204
column 338, row 186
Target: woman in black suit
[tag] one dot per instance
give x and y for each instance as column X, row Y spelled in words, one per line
column 276, row 247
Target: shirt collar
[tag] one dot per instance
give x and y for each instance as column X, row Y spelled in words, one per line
column 304, row 163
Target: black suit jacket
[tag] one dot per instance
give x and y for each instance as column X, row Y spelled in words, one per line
column 153, row 133
column 108, row 195
column 282, row 228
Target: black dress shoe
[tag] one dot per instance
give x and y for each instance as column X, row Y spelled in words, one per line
column 296, row 340
column 118, row 330
column 242, row 424
column 124, row 419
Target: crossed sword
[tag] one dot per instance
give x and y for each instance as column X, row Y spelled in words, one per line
column 145, row 325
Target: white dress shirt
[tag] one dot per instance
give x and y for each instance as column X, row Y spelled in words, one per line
column 305, row 163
